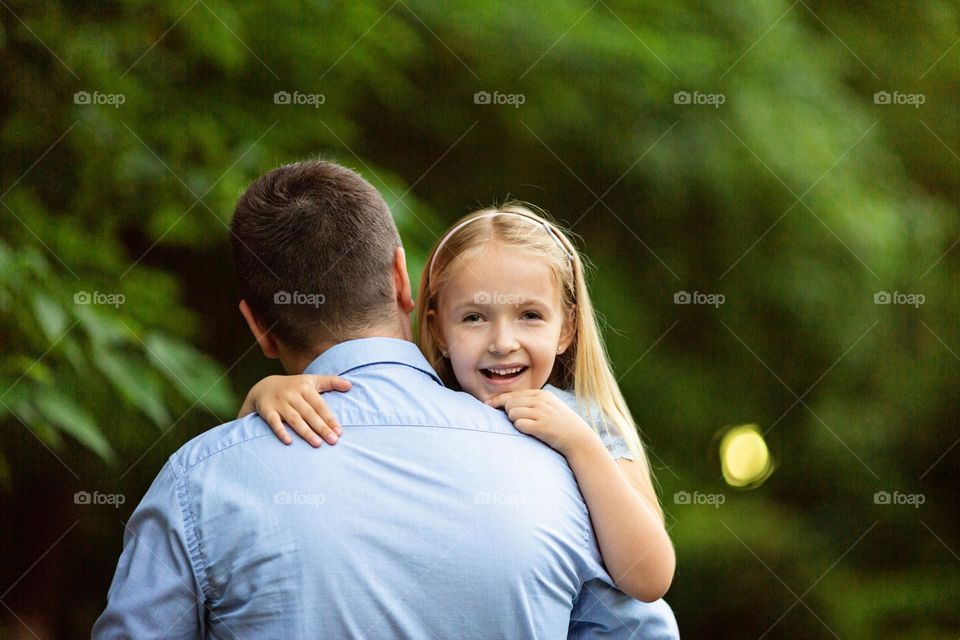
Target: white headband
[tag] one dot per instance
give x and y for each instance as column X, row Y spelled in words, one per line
column 543, row 223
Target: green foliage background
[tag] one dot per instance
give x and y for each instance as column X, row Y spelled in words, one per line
column 798, row 199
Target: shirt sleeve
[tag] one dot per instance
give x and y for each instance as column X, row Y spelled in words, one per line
column 155, row 592
column 602, row 611
column 615, row 444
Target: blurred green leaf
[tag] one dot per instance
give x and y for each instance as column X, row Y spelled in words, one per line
column 138, row 382
column 198, row 376
column 52, row 318
column 69, row 417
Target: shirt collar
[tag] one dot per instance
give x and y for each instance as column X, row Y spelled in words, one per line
column 352, row 354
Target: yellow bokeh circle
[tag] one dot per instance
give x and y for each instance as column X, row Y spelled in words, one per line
column 744, row 456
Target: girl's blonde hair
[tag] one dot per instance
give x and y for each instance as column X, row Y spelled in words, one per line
column 584, row 366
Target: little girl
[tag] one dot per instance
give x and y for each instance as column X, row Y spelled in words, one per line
column 504, row 315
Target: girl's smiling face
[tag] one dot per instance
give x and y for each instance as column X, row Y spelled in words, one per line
column 501, row 322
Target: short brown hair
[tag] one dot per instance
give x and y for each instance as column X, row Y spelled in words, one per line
column 314, row 245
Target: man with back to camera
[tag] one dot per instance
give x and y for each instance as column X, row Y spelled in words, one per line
column 381, row 536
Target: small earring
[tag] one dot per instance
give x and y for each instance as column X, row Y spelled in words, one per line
column 443, row 352
column 559, row 350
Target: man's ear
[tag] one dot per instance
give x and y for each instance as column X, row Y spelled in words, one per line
column 267, row 344
column 401, row 281
column 569, row 331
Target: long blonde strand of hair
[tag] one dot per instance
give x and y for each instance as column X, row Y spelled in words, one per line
column 594, row 382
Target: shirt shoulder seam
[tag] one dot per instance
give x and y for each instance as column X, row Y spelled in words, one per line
column 184, row 469
column 194, row 547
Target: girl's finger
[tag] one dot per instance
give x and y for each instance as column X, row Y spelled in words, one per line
column 331, row 383
column 524, row 394
column 276, row 423
column 302, row 429
column 522, row 413
column 323, row 411
column 505, row 398
column 525, row 424
column 316, row 422
column 498, row 400
column 517, row 401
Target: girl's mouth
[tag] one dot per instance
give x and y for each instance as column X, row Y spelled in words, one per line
column 503, row 373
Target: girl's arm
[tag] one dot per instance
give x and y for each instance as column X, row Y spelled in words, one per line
column 633, row 541
column 296, row 400
column 635, row 546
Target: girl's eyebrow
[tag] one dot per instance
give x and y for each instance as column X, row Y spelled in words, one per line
column 536, row 302
column 491, row 300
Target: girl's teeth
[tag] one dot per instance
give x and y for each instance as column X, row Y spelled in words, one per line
column 504, row 372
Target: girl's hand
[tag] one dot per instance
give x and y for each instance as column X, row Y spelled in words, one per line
column 543, row 415
column 296, row 400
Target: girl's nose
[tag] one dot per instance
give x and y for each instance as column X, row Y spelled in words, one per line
column 503, row 342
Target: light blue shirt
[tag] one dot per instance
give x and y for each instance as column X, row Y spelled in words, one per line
column 432, row 517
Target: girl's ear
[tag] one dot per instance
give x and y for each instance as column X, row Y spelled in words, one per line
column 569, row 331
column 433, row 325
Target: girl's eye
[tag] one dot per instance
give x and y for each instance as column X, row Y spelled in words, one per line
column 472, row 317
column 531, row 315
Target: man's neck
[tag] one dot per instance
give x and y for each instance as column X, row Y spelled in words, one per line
column 296, row 362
